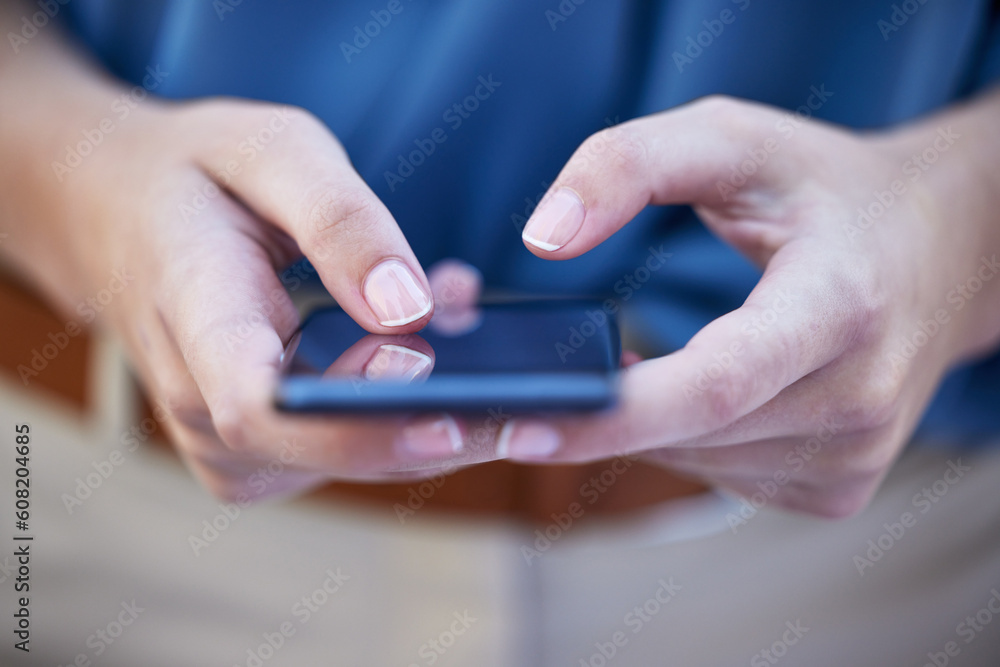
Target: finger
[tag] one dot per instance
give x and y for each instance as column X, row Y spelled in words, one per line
column 235, row 478
column 823, row 404
column 791, row 324
column 243, row 479
column 230, row 316
column 807, row 460
column 406, row 357
column 303, row 182
column 674, row 157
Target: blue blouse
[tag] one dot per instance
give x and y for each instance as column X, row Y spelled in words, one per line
column 459, row 114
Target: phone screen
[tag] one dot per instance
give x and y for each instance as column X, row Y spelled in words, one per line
column 526, row 356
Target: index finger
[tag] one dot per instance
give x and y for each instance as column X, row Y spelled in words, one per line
column 303, row 182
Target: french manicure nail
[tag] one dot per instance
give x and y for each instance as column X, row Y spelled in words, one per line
column 395, row 295
column 556, row 221
column 395, row 362
column 434, row 438
column 527, row 440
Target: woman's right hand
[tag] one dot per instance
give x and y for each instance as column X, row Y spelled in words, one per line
column 198, row 206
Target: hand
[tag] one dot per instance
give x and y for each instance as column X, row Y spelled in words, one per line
column 199, row 207
column 813, row 386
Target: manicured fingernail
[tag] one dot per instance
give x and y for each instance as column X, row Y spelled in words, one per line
column 395, row 362
column 527, row 440
column 395, row 295
column 556, row 221
column 432, row 438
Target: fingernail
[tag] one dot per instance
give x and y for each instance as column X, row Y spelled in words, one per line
column 395, row 362
column 428, row 439
column 556, row 221
column 527, row 440
column 395, row 295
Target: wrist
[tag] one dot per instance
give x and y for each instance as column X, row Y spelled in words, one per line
column 950, row 162
column 52, row 96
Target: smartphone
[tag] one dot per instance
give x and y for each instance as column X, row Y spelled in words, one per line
column 538, row 356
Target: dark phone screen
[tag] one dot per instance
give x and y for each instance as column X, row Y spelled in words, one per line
column 528, row 337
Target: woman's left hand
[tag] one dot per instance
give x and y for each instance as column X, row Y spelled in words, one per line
column 809, row 391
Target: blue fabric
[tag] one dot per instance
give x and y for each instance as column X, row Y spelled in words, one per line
column 562, row 71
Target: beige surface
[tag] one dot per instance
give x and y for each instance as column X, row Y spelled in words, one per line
column 130, row 540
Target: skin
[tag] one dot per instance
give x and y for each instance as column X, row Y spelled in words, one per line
column 829, row 357
column 205, row 318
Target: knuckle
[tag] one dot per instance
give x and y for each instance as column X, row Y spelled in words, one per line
column 717, row 104
column 231, row 424
column 871, row 404
column 181, row 401
column 298, row 129
column 229, row 112
column 211, row 108
column 735, row 117
column 622, row 147
column 335, row 215
column 302, row 124
column 867, row 299
column 241, row 117
column 867, row 457
column 299, row 118
column 721, row 108
column 727, row 397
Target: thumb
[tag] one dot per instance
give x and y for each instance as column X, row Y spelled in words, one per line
column 674, row 157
